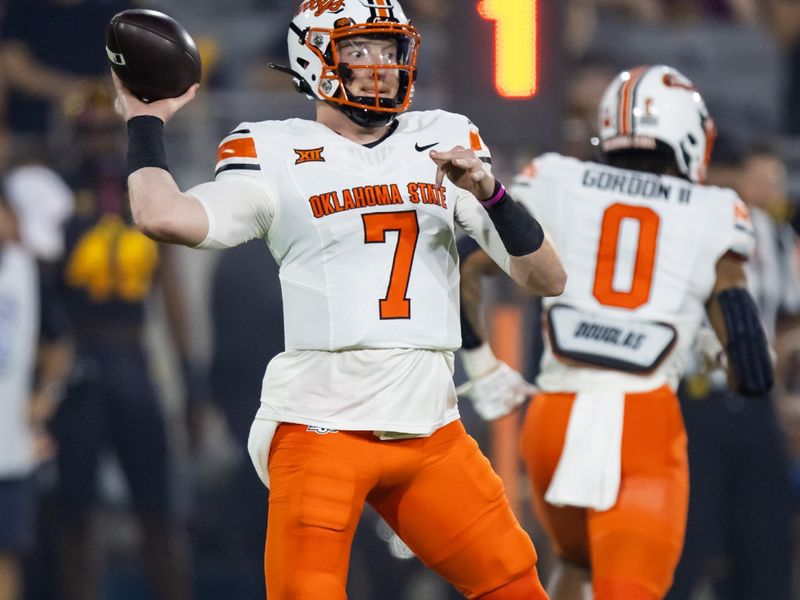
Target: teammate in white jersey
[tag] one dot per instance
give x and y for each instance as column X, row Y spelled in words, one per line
column 650, row 254
column 361, row 406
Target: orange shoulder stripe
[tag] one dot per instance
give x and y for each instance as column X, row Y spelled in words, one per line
column 474, row 140
column 238, row 148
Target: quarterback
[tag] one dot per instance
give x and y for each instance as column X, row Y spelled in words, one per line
column 359, row 208
column 651, row 253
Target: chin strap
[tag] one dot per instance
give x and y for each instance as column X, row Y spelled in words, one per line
column 364, row 116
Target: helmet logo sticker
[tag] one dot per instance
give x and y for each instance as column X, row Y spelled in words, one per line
column 310, row 155
column 321, row 6
column 670, row 80
column 650, row 115
column 606, row 117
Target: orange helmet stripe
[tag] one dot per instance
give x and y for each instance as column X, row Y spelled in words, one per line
column 626, row 102
column 710, row 131
column 382, row 12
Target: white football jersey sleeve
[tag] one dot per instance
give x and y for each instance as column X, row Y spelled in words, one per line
column 641, row 252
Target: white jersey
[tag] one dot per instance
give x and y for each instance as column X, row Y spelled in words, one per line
column 640, row 252
column 19, row 331
column 368, row 265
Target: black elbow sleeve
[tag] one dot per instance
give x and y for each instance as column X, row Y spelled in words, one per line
column 747, row 348
column 469, row 337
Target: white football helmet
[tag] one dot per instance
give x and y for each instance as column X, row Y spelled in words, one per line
column 317, row 31
column 649, row 105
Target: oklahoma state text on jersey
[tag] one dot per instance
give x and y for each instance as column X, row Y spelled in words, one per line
column 365, row 196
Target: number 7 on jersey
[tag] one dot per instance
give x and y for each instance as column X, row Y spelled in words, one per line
column 395, row 305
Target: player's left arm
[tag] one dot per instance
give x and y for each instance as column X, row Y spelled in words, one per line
column 733, row 314
column 494, row 388
column 524, row 252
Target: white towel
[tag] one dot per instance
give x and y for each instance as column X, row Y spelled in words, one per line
column 588, row 472
column 258, row 444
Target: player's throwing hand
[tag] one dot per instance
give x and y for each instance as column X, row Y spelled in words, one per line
column 465, row 170
column 129, row 106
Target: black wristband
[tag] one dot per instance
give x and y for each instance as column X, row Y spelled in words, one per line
column 146, row 143
column 520, row 233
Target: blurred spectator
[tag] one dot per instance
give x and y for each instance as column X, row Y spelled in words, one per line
column 647, row 11
column 18, row 334
column 30, row 385
column 650, row 11
column 49, row 50
column 584, row 92
column 244, row 341
column 580, row 22
column 774, row 268
column 738, row 532
column 109, row 272
column 784, row 18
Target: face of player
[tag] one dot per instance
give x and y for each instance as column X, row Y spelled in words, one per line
column 365, row 55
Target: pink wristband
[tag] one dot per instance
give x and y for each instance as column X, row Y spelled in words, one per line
column 496, row 197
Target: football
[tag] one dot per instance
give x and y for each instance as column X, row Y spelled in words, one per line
column 152, row 54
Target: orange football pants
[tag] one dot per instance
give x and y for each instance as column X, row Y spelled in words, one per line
column 634, row 547
column 438, row 493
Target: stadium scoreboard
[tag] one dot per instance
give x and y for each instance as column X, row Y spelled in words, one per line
column 506, row 55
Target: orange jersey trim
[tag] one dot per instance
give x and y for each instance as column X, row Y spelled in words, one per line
column 474, row 141
column 239, row 148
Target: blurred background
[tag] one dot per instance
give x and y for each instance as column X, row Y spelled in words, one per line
column 151, row 358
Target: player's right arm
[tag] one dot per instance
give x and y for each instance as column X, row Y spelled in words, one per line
column 220, row 214
column 159, row 208
column 164, row 213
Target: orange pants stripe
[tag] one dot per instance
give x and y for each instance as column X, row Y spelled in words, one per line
column 438, row 493
column 637, row 543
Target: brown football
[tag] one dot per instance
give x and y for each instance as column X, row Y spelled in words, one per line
column 152, row 54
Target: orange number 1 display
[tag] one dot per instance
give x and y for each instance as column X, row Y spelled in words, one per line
column 515, row 45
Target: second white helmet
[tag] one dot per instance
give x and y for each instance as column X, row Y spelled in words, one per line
column 656, row 104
